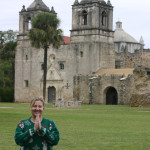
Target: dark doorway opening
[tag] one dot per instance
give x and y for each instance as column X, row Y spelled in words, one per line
column 51, row 94
column 111, row 96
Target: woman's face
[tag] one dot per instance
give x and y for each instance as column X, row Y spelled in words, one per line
column 37, row 109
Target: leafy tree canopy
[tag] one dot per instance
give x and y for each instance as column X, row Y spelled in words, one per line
column 45, row 31
column 8, row 51
column 7, row 36
column 7, row 57
column 5, row 74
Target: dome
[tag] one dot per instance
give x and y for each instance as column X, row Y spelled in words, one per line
column 121, row 36
column 102, row 1
column 90, row 1
column 38, row 4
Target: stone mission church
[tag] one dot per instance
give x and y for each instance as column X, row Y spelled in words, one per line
column 89, row 48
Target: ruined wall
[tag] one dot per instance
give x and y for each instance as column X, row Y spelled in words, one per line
column 127, row 59
column 146, row 58
column 131, row 60
column 141, row 88
column 81, row 89
column 90, row 89
column 132, row 90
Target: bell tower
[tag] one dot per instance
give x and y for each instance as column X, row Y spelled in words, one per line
column 92, row 34
column 91, row 16
column 26, row 15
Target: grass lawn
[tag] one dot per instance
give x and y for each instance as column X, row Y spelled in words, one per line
column 90, row 127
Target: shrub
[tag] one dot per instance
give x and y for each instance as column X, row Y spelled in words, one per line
column 6, row 94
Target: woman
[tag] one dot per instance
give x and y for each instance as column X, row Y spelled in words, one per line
column 36, row 133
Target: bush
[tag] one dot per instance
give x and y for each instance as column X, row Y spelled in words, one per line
column 6, row 94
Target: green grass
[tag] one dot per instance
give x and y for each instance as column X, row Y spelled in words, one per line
column 90, row 127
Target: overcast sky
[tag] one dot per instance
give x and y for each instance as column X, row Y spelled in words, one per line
column 134, row 14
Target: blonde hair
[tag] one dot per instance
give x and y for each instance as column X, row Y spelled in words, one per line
column 37, row 99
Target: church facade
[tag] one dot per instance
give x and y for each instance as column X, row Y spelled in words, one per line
column 77, row 69
column 91, row 47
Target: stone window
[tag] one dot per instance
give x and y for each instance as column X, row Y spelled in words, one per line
column 117, row 64
column 84, row 17
column 62, row 67
column 104, row 18
column 26, row 57
column 26, row 83
column 148, row 73
column 81, row 54
column 42, row 66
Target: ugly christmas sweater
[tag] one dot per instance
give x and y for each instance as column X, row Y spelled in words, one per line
column 28, row 139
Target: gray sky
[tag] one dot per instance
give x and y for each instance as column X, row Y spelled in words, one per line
column 134, row 14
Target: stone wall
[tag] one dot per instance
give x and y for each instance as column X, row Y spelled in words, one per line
column 131, row 90
column 132, row 60
column 146, row 58
column 138, row 100
column 141, row 88
column 128, row 60
column 92, row 89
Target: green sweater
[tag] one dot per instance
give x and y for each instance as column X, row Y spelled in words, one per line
column 28, row 139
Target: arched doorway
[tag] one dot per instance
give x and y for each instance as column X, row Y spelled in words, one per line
column 51, row 94
column 111, row 96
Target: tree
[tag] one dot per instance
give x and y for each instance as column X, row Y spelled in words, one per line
column 7, row 36
column 7, row 58
column 1, row 39
column 8, row 46
column 45, row 32
column 6, row 75
column 7, row 54
column 1, row 75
